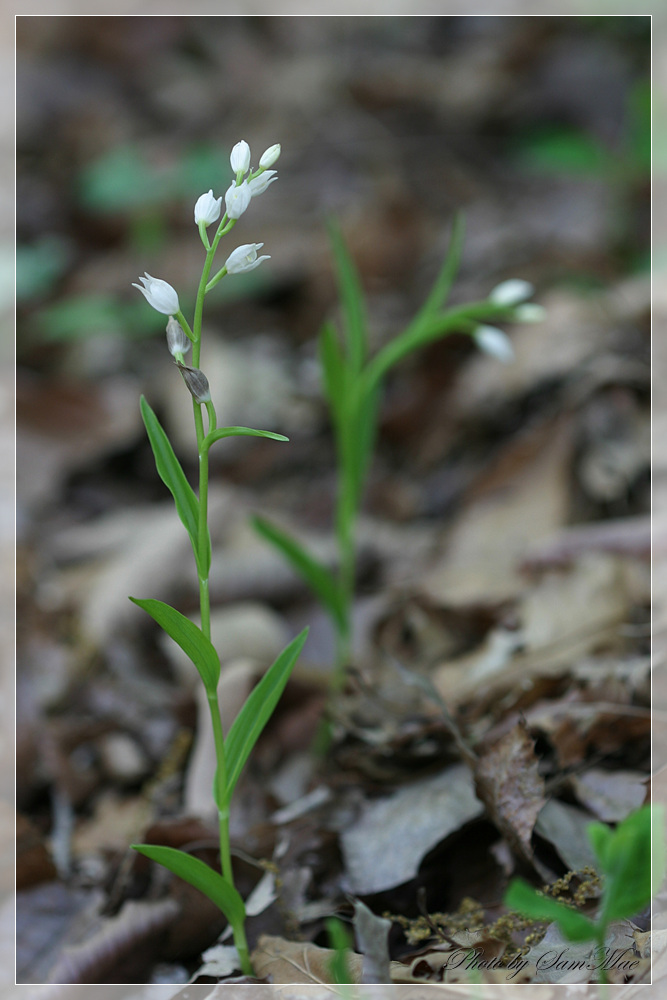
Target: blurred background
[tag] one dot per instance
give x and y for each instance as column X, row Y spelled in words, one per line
column 538, row 127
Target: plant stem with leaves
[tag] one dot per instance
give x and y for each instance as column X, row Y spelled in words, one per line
column 353, row 378
column 233, row 749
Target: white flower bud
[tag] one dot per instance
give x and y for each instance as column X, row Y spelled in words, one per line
column 510, row 293
column 529, row 312
column 493, row 341
column 177, row 340
column 270, row 155
column 237, row 199
column 159, row 294
column 196, row 382
column 240, row 157
column 259, row 184
column 207, row 208
column 245, row 258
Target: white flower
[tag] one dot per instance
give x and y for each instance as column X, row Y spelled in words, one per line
column 493, row 341
column 270, row 155
column 159, row 294
column 177, row 340
column 510, row 293
column 259, row 184
column 237, row 199
column 208, row 208
column 529, row 312
column 240, row 157
column 245, row 258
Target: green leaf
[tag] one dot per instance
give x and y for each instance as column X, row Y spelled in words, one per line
column 333, row 369
column 564, row 150
column 450, row 267
column 625, row 859
column 524, row 899
column 352, row 298
column 172, row 475
column 201, row 876
column 257, row 710
column 427, row 325
column 225, row 432
column 188, row 636
column 363, row 440
column 341, row 943
column 313, row 572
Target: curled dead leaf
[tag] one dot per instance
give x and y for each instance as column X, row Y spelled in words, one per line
column 508, row 782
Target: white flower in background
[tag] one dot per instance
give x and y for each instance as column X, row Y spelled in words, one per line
column 269, row 156
column 240, row 157
column 259, row 184
column 493, row 341
column 237, row 199
column 177, row 340
column 159, row 294
column 529, row 312
column 510, row 293
column 245, row 258
column 208, row 208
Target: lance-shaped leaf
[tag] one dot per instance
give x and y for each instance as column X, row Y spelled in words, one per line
column 352, row 298
column 362, row 441
column 257, row 710
column 225, row 432
column 201, row 876
column 524, row 899
column 188, row 636
column 313, row 572
column 334, row 370
column 172, row 475
column 427, row 326
column 445, row 279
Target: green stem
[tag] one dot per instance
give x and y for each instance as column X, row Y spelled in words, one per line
column 220, row 781
column 202, row 524
column 427, row 330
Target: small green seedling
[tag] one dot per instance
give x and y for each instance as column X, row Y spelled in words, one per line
column 233, row 749
column 353, row 380
column 341, row 943
column 624, row 860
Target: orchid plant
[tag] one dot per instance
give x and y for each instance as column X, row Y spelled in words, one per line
column 232, row 749
column 353, row 379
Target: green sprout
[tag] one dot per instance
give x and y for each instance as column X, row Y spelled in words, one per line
column 232, row 749
column 624, row 859
column 353, row 381
column 340, row 942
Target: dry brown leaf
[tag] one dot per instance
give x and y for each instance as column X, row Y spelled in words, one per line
column 515, row 508
column 510, row 785
column 297, row 961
